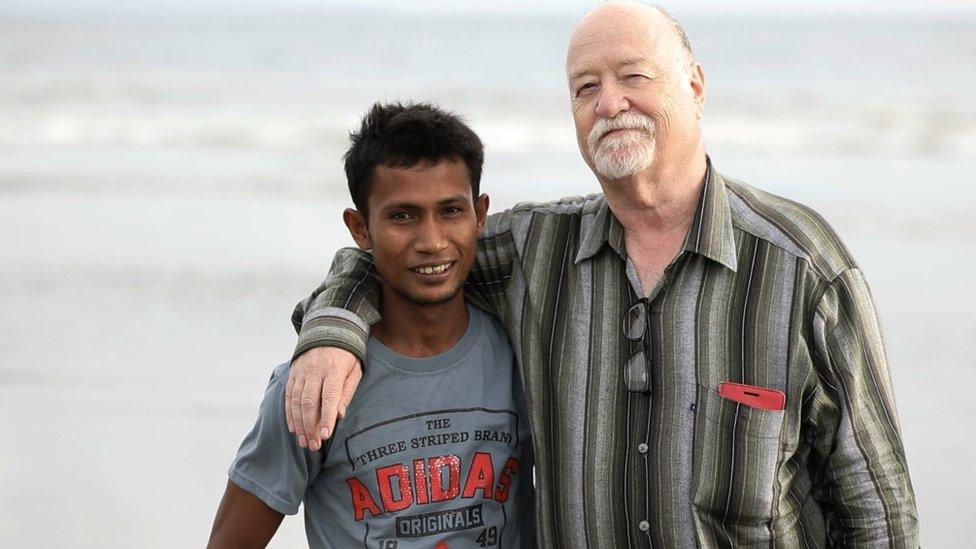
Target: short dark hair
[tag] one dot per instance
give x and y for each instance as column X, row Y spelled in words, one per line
column 400, row 135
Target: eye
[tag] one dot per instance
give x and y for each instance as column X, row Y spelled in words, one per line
column 453, row 210
column 400, row 216
column 585, row 89
column 635, row 77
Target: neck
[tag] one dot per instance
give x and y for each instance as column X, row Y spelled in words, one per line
column 658, row 199
column 420, row 330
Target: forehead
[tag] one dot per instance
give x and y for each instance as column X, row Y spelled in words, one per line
column 608, row 42
column 420, row 185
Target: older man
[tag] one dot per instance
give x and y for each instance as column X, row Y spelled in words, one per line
column 703, row 361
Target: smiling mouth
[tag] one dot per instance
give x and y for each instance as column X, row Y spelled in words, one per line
column 434, row 269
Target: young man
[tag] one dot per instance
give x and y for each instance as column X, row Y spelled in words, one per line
column 434, row 450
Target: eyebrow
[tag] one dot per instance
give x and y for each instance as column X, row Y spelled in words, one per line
column 577, row 74
column 455, row 198
column 635, row 61
column 626, row 62
column 411, row 206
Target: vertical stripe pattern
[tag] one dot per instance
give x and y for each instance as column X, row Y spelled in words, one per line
column 764, row 294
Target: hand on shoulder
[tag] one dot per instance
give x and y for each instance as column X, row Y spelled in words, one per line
column 320, row 386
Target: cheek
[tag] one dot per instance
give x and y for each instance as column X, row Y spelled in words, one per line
column 382, row 260
column 582, row 110
column 389, row 254
column 583, row 123
column 675, row 110
column 466, row 240
column 662, row 112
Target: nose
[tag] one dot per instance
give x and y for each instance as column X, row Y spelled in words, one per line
column 612, row 101
column 431, row 238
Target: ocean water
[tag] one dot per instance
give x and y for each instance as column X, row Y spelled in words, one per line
column 171, row 185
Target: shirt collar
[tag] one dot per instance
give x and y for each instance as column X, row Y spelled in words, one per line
column 604, row 229
column 710, row 234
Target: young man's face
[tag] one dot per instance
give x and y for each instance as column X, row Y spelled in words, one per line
column 422, row 227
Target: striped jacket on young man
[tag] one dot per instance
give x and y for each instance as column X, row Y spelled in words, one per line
column 764, row 294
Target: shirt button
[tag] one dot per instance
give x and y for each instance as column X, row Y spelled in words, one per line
column 642, row 448
column 644, row 526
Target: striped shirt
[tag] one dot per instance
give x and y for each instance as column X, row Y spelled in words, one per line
column 764, row 293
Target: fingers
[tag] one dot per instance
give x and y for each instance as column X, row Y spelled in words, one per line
column 309, row 407
column 295, row 403
column 349, row 388
column 331, row 393
column 329, row 413
column 297, row 380
column 289, row 418
column 320, row 387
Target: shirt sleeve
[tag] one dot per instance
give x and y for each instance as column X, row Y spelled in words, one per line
column 341, row 310
column 269, row 463
column 865, row 488
column 496, row 260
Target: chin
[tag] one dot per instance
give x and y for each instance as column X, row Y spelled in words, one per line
column 431, row 299
column 622, row 160
column 620, row 166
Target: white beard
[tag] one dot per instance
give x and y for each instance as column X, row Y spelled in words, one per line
column 622, row 155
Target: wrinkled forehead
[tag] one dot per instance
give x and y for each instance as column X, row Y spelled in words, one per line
column 616, row 41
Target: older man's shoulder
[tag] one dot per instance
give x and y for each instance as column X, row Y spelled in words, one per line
column 789, row 225
column 567, row 205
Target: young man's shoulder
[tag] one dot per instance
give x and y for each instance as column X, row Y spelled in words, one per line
column 492, row 330
column 279, row 374
column 278, row 379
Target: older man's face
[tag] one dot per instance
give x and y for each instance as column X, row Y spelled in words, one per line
column 634, row 96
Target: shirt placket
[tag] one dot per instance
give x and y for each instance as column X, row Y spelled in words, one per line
column 639, row 426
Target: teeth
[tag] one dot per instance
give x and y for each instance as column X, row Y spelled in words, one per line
column 433, row 270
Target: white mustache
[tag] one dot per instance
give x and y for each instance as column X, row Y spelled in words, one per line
column 623, row 121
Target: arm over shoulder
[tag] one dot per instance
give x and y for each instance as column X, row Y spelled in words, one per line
column 339, row 312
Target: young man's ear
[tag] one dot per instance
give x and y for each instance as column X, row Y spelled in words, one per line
column 481, row 211
column 356, row 224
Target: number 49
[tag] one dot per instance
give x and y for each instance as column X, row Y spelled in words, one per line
column 488, row 536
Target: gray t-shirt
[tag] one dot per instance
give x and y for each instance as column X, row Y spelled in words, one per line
column 433, row 452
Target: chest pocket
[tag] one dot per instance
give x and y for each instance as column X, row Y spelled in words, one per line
column 737, row 451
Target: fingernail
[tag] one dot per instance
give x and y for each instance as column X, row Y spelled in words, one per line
column 314, row 444
column 291, row 427
column 302, row 442
column 325, row 432
column 342, row 411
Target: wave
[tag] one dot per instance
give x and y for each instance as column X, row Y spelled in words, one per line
column 894, row 129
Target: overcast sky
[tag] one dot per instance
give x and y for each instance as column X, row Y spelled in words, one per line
column 63, row 7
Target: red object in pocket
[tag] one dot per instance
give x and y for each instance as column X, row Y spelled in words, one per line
column 750, row 395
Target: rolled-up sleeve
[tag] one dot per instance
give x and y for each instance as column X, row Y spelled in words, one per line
column 340, row 311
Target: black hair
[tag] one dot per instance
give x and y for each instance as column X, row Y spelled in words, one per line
column 400, row 135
